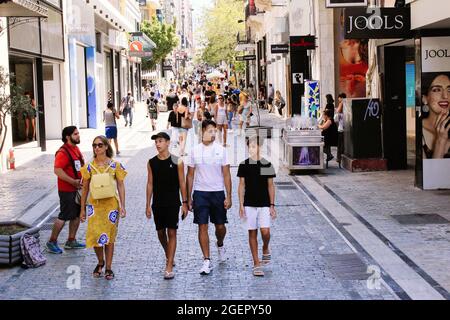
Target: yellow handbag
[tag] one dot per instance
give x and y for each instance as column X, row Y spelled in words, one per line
column 102, row 185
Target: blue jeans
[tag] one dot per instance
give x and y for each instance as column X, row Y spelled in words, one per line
column 128, row 112
column 230, row 119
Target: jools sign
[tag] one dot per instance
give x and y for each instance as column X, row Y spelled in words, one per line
column 377, row 23
column 436, row 54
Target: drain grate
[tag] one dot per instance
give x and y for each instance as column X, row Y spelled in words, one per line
column 282, row 183
column 347, row 266
column 417, row 219
column 287, row 187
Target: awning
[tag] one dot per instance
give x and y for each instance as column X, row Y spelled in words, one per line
column 22, row 8
column 140, row 45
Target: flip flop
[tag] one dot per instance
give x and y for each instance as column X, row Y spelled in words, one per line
column 169, row 275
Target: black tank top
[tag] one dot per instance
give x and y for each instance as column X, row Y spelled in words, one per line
column 166, row 186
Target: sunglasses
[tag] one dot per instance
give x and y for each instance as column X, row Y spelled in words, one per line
column 95, row 145
column 220, row 98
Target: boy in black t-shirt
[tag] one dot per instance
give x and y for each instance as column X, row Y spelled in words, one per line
column 257, row 198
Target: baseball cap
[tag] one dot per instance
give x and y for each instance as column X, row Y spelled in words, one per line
column 161, row 135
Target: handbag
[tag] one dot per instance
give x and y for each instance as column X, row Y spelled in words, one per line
column 102, row 185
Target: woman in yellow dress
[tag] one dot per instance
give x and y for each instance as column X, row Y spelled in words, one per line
column 103, row 215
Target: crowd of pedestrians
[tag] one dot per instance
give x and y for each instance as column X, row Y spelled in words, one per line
column 94, row 191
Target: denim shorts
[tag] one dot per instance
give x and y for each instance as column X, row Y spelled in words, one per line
column 209, row 206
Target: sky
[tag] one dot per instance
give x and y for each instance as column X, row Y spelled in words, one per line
column 199, row 6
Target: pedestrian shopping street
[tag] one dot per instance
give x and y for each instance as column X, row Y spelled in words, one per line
column 314, row 255
column 329, row 118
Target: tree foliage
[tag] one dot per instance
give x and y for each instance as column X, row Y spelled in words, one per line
column 221, row 27
column 164, row 36
column 12, row 101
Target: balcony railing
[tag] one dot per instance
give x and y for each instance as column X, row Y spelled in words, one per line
column 250, row 9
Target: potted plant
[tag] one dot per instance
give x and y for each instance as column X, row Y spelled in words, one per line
column 10, row 234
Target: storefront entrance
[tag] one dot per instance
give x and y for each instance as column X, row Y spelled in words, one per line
column 397, row 63
column 25, row 128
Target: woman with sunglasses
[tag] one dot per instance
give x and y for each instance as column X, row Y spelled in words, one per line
column 221, row 119
column 103, row 214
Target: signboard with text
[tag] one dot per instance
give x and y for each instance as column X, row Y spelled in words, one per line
column 246, row 58
column 302, row 43
column 279, row 48
column 377, row 23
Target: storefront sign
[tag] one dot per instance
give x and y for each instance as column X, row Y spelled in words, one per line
column 246, row 58
column 436, row 54
column 303, row 43
column 377, row 23
column 279, row 48
column 346, row 3
column 435, row 99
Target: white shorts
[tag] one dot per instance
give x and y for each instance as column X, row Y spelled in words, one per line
column 222, row 120
column 257, row 218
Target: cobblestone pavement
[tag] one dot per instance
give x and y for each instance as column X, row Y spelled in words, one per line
column 308, row 253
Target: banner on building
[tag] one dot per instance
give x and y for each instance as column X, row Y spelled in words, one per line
column 312, row 99
column 435, row 112
column 353, row 63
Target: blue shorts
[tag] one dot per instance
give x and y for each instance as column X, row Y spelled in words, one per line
column 111, row 132
column 209, row 206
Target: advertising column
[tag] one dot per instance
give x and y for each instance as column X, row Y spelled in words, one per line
column 435, row 118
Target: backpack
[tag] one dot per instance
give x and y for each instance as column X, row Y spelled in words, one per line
column 151, row 106
column 31, row 252
column 102, row 185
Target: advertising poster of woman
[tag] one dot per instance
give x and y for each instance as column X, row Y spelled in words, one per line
column 353, row 63
column 435, row 112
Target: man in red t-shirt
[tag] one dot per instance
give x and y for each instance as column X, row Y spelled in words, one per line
column 68, row 163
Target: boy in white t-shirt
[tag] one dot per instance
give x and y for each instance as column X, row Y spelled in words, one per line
column 257, row 200
column 208, row 178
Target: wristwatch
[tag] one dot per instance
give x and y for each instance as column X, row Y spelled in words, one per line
column 272, row 205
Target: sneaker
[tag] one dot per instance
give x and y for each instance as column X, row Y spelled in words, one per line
column 53, row 247
column 206, row 268
column 221, row 253
column 74, row 245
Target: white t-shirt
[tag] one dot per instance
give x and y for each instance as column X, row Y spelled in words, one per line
column 208, row 162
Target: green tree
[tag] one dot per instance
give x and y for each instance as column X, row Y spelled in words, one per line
column 165, row 38
column 221, row 27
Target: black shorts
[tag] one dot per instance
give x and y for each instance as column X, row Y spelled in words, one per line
column 166, row 217
column 69, row 209
column 209, row 206
column 270, row 101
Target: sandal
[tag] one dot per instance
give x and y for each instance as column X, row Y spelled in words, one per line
column 266, row 259
column 98, row 270
column 169, row 275
column 258, row 271
column 109, row 274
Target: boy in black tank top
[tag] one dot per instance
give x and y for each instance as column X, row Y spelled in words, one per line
column 166, row 180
